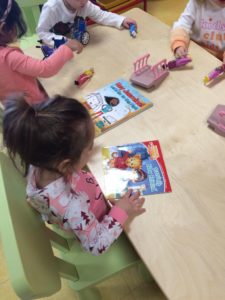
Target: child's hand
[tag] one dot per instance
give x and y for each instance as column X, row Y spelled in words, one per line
column 131, row 203
column 180, row 52
column 127, row 21
column 74, row 45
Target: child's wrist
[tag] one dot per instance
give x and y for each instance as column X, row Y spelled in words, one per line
column 118, row 214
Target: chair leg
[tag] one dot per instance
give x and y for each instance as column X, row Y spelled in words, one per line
column 91, row 293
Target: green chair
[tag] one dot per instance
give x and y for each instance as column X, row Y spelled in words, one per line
column 34, row 270
column 31, row 13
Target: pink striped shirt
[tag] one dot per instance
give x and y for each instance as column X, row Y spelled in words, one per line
column 19, row 71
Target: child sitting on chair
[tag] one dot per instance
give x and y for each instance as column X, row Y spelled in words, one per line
column 57, row 17
column 54, row 140
column 203, row 22
column 19, row 72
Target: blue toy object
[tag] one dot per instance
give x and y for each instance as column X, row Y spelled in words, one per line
column 79, row 32
column 47, row 51
column 59, row 42
column 133, row 30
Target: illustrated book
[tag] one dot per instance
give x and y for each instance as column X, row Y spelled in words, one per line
column 138, row 166
column 113, row 104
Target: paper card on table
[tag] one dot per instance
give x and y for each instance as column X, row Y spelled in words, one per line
column 114, row 103
column 138, row 166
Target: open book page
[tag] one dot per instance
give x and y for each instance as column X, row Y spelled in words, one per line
column 138, row 166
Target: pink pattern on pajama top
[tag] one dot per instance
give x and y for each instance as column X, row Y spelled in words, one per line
column 78, row 205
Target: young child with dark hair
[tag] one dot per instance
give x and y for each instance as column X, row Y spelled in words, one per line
column 19, row 72
column 54, row 140
column 57, row 16
column 203, row 22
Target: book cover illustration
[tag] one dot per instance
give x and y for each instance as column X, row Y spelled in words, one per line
column 113, row 104
column 138, row 166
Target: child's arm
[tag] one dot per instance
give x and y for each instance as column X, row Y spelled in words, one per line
column 180, row 33
column 96, row 237
column 100, row 16
column 27, row 65
column 179, row 41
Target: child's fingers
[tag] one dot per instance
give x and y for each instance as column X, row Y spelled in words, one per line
column 142, row 200
column 140, row 211
column 133, row 22
column 180, row 52
column 128, row 194
column 183, row 53
column 139, row 202
column 137, row 206
column 79, row 48
column 134, row 196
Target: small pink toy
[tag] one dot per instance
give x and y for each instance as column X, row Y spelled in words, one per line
column 85, row 76
column 148, row 76
column 178, row 62
column 217, row 119
column 214, row 74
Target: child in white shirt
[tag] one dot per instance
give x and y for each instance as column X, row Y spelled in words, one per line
column 62, row 13
column 202, row 21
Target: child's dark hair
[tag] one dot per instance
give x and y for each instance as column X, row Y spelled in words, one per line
column 11, row 17
column 47, row 133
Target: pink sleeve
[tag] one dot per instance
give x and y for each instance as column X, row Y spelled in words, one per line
column 95, row 236
column 179, row 38
column 24, row 64
column 118, row 214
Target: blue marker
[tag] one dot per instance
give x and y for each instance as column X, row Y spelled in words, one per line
column 133, row 30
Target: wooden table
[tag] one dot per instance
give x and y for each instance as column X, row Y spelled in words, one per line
column 181, row 237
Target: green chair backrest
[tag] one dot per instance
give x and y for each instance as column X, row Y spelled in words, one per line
column 31, row 12
column 23, row 237
column 34, row 270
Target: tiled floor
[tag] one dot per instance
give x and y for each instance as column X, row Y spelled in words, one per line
column 128, row 285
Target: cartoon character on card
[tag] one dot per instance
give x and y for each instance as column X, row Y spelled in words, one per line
column 101, row 104
column 106, row 106
column 95, row 101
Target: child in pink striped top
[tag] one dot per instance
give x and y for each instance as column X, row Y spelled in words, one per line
column 19, row 72
column 54, row 140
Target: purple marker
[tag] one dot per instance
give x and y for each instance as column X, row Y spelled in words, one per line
column 178, row 62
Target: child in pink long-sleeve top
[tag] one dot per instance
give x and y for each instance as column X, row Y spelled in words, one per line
column 54, row 140
column 19, row 72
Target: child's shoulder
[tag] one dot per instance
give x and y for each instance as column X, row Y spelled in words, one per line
column 10, row 49
column 53, row 3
